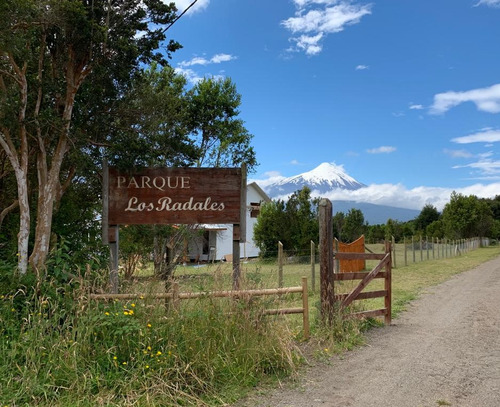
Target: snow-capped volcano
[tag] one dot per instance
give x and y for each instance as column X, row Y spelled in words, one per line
column 323, row 178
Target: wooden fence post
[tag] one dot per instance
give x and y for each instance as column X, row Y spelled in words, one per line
column 336, row 262
column 406, row 252
column 394, row 252
column 421, row 250
column 413, row 247
column 313, row 266
column 305, row 306
column 280, row 264
column 388, row 285
column 326, row 261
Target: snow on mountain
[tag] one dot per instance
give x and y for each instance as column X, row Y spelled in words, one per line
column 323, row 178
column 327, row 177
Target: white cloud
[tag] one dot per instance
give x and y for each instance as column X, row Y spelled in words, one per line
column 381, row 150
column 190, row 75
column 490, row 3
column 361, row 67
column 485, row 99
column 416, row 107
column 216, row 59
column 486, row 136
column 485, row 167
column 314, row 19
column 309, row 44
column 400, row 196
column 271, row 177
column 458, row 153
column 194, row 77
column 184, row 4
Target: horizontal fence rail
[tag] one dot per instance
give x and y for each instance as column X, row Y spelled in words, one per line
column 175, row 295
column 366, row 277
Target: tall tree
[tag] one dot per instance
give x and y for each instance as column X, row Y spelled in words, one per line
column 270, row 227
column 354, row 225
column 466, row 216
column 63, row 63
column 222, row 139
column 294, row 223
column 338, row 222
column 427, row 215
column 302, row 220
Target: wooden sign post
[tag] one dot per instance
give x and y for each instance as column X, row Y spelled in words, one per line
column 326, row 261
column 175, row 196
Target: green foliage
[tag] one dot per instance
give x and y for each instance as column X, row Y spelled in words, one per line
column 302, row 221
column 221, row 137
column 466, row 216
column 268, row 230
column 293, row 223
column 338, row 221
column 428, row 215
column 354, row 225
column 55, row 350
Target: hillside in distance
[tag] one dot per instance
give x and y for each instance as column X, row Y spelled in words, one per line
column 328, row 177
column 376, row 214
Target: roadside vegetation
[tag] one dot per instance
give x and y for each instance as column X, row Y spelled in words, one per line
column 82, row 83
column 57, row 348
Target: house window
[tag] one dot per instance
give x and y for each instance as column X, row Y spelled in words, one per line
column 254, row 209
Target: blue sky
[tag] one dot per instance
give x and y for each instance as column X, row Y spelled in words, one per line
column 403, row 95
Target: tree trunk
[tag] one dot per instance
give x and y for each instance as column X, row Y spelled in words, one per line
column 18, row 158
column 49, row 185
column 24, row 223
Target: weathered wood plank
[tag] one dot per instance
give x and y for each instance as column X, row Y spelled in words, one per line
column 363, row 296
column 359, row 256
column 175, row 195
column 369, row 277
column 185, row 295
column 355, row 276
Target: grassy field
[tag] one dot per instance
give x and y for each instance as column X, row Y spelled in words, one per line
column 59, row 349
column 407, row 281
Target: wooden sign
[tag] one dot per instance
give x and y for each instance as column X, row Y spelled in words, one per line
column 176, row 195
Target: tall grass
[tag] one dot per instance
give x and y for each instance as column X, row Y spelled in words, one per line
column 59, row 351
column 57, row 348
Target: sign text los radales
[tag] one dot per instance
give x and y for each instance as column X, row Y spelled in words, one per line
column 175, row 195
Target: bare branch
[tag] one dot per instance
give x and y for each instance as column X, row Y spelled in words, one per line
column 7, row 210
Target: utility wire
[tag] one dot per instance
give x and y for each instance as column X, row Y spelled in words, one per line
column 180, row 15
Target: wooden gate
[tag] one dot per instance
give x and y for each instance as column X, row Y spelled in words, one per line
column 382, row 270
column 358, row 246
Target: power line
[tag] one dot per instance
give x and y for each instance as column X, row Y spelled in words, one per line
column 180, row 15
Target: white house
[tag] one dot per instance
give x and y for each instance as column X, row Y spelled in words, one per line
column 216, row 241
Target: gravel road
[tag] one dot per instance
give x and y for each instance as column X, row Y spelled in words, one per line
column 443, row 351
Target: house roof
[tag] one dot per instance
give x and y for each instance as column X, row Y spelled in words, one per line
column 260, row 191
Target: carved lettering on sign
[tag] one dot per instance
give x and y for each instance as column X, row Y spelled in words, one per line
column 180, row 195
